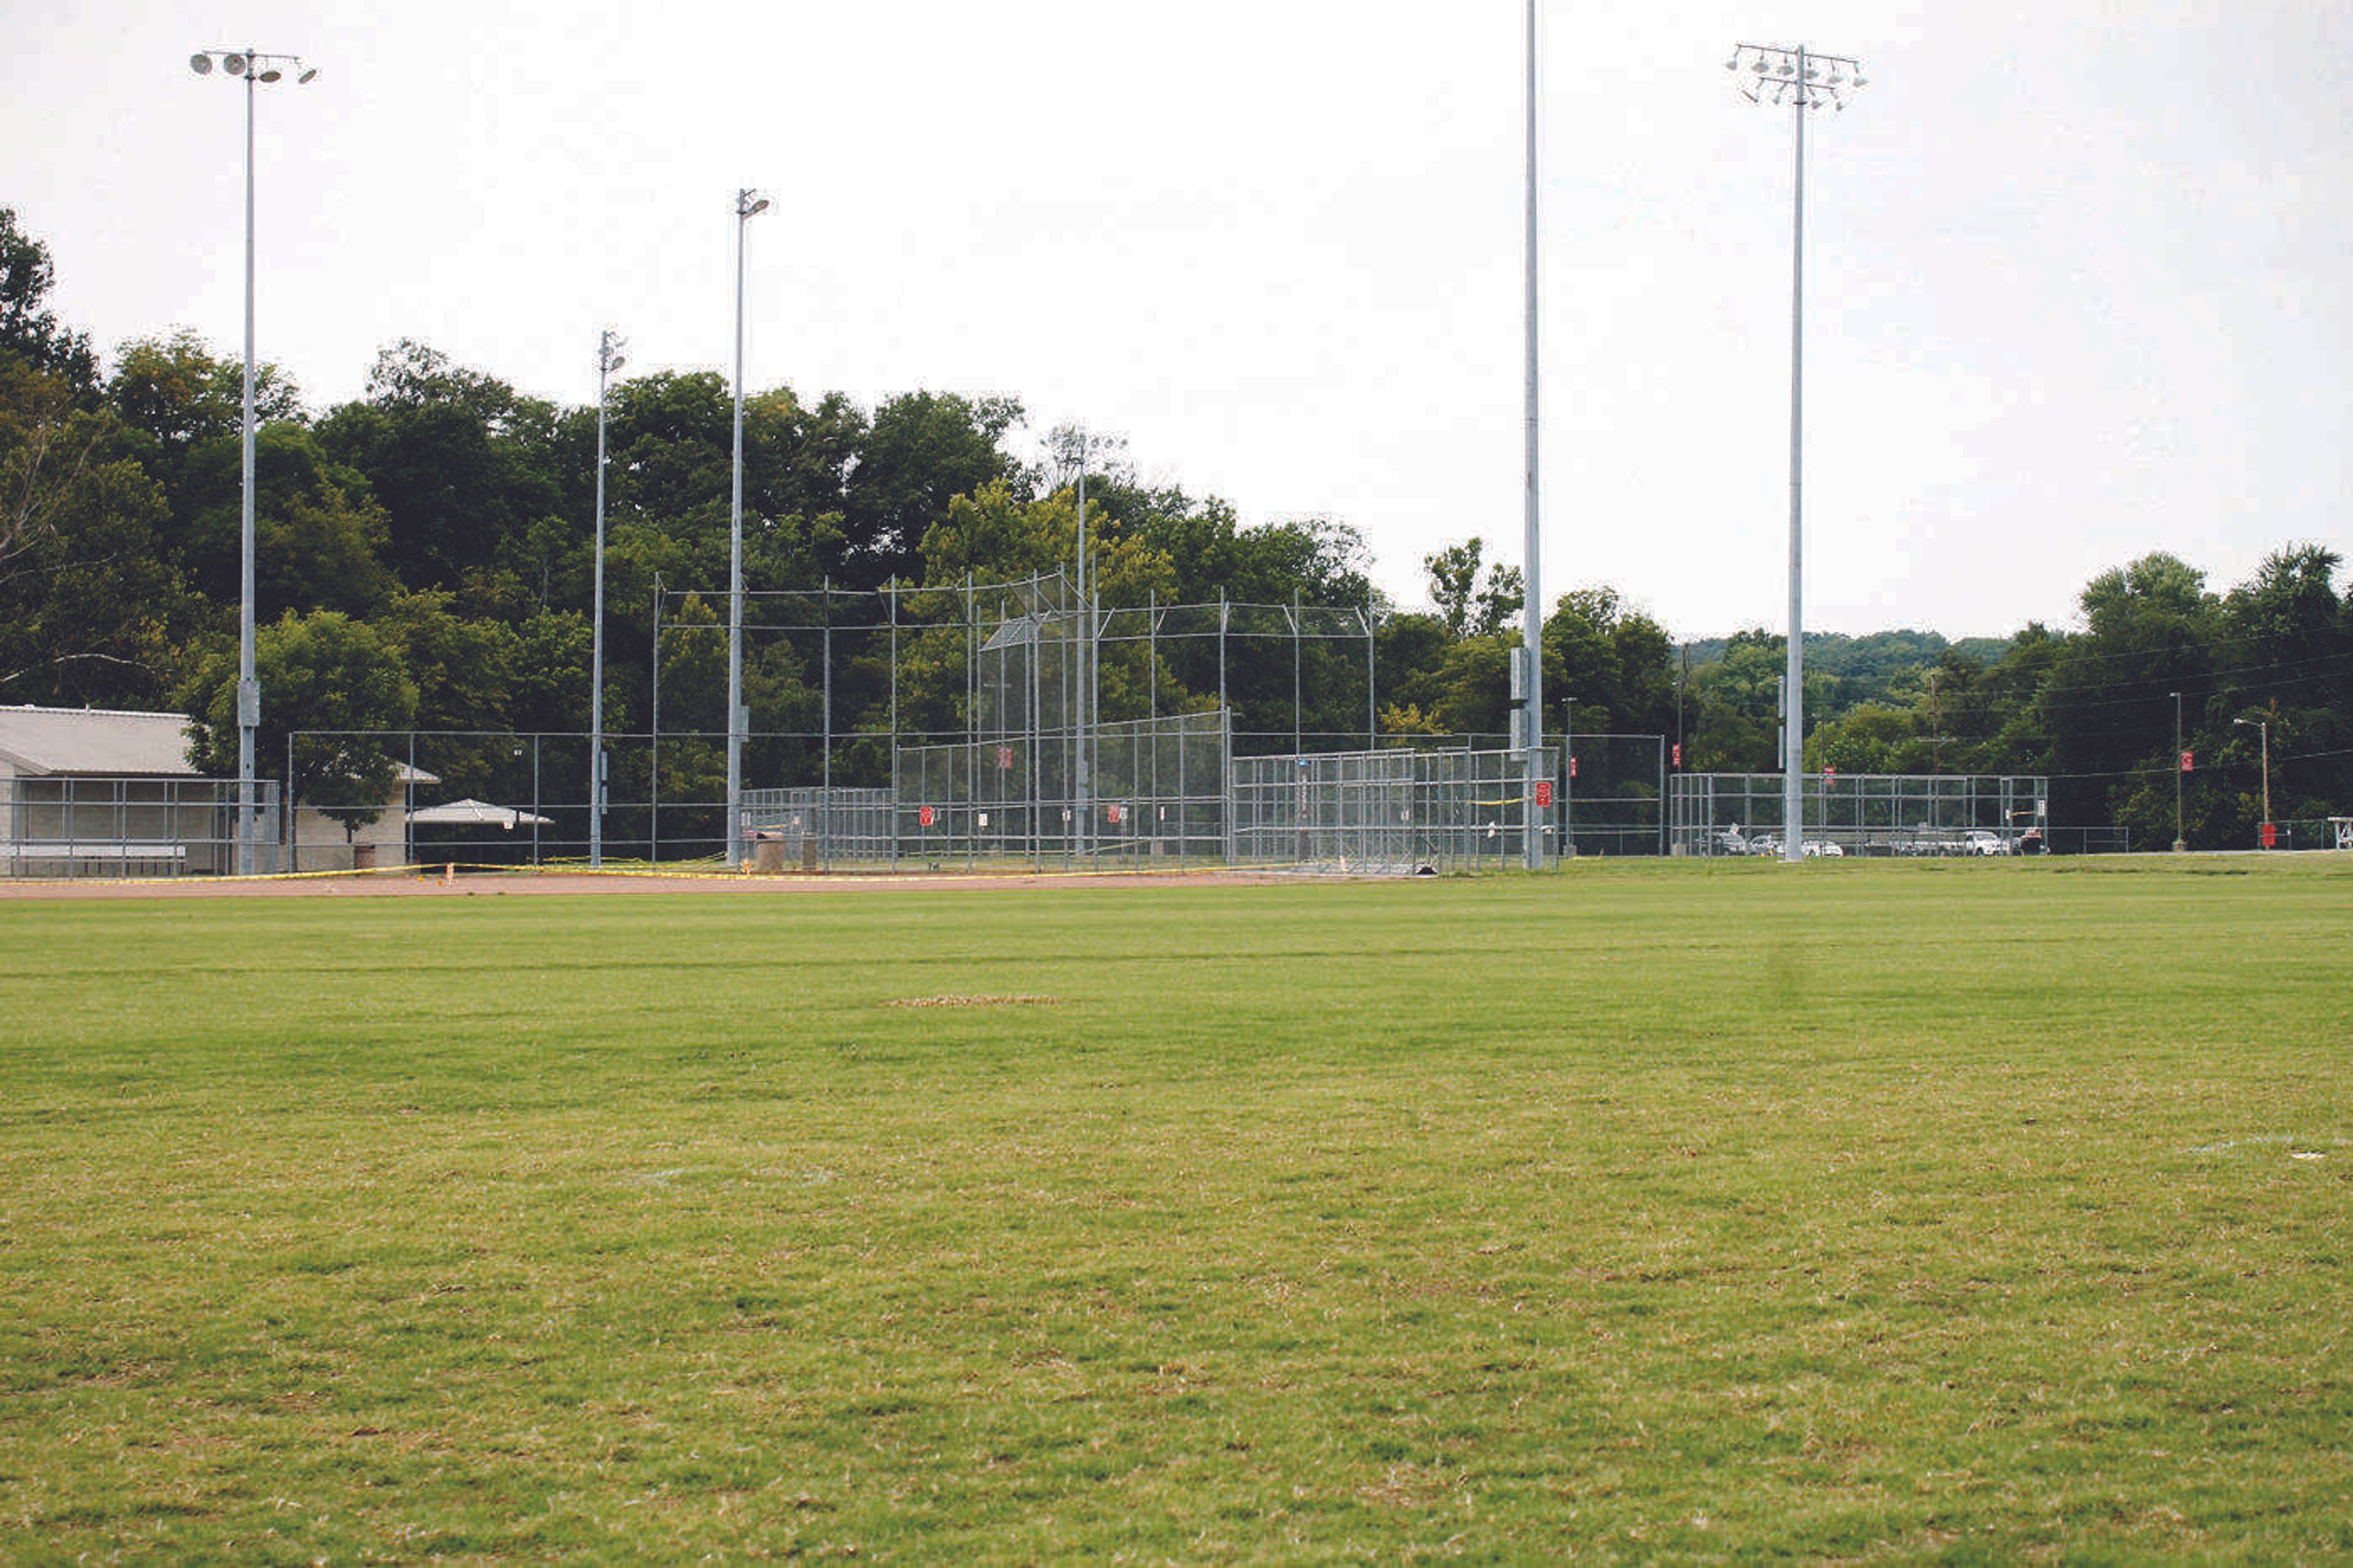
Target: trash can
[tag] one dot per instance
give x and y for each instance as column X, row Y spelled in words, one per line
column 363, row 856
column 768, row 855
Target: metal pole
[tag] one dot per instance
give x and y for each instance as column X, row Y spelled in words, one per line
column 608, row 360
column 747, row 203
column 1793, row 809
column 825, row 822
column 1568, row 778
column 1082, row 773
column 653, row 825
column 890, row 591
column 1532, row 635
column 1298, row 743
column 249, row 686
column 2181, row 842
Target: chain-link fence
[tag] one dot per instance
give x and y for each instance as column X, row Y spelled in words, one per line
column 1151, row 790
column 76, row 827
column 1613, row 795
column 1861, row 814
column 1388, row 811
column 820, row 828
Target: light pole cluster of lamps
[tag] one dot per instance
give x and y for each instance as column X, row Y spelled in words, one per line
column 254, row 68
column 1803, row 82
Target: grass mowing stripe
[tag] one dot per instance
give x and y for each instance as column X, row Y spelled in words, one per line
column 1641, row 1211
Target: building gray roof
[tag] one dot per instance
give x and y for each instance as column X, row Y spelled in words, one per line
column 95, row 740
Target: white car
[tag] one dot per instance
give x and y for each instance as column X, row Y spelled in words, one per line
column 1823, row 849
column 1980, row 841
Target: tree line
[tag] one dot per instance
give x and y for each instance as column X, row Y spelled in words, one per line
column 425, row 559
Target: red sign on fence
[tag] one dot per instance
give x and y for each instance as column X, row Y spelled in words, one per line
column 1543, row 792
column 2271, row 835
column 1679, row 754
column 2189, row 761
column 1005, row 759
column 1114, row 815
column 923, row 817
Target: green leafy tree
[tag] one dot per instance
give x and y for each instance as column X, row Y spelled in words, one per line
column 91, row 612
column 2109, row 706
column 1474, row 598
column 29, row 330
column 183, row 399
column 332, row 691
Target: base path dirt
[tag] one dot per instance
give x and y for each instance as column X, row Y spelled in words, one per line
column 475, row 884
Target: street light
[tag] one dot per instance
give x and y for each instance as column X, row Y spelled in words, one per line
column 748, row 204
column 610, row 358
column 1805, row 82
column 2266, row 726
column 254, row 67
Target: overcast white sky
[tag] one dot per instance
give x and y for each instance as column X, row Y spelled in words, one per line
column 2077, row 271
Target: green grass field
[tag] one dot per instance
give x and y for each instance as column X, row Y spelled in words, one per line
column 1861, row 1210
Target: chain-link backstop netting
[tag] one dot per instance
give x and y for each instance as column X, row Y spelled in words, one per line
column 1861, row 814
column 1388, row 811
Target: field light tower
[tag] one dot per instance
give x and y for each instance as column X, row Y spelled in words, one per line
column 748, row 205
column 610, row 358
column 1803, row 82
column 255, row 68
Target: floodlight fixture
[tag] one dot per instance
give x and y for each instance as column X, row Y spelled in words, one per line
column 201, row 64
column 1819, row 79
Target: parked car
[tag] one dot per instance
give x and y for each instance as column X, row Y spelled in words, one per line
column 1823, row 849
column 1984, row 841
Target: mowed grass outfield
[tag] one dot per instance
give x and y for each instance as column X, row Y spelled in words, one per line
column 1641, row 1211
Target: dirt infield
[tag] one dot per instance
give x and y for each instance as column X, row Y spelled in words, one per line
column 435, row 883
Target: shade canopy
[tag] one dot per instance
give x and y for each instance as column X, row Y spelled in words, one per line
column 471, row 813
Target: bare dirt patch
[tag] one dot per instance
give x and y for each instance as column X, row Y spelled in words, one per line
column 973, row 1001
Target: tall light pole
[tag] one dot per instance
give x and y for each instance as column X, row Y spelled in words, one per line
column 748, row 202
column 2181, row 843
column 2265, row 725
column 1805, row 82
column 608, row 360
column 255, row 68
column 1531, row 713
